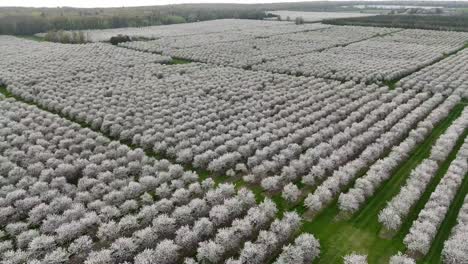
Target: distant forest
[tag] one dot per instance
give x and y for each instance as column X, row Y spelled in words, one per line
column 28, row 21
column 436, row 22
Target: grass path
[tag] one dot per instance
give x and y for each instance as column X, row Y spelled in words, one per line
column 361, row 233
column 434, row 254
column 392, row 187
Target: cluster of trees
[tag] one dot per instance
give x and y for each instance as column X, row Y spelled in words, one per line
column 376, row 60
column 305, row 249
column 269, row 241
column 401, row 259
column 383, row 169
column 366, row 149
column 299, row 20
column 115, row 40
column 399, row 207
column 168, row 237
column 227, row 241
column 442, row 77
column 75, row 37
column 426, row 227
column 456, row 247
column 435, row 22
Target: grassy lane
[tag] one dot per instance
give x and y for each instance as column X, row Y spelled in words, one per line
column 434, row 254
column 430, row 188
column 361, row 233
column 392, row 187
column 338, row 238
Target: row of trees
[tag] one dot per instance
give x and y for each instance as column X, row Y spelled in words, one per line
column 456, row 247
column 366, row 148
column 426, row 227
column 169, row 236
column 320, row 145
column 442, row 77
column 227, row 241
column 399, row 207
column 436, row 22
column 304, row 250
column 269, row 241
column 328, row 133
column 270, row 152
column 383, row 169
column 75, row 37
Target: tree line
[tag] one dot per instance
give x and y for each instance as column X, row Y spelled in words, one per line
column 434, row 22
column 28, row 21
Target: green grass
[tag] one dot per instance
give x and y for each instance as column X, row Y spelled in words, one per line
column 361, row 232
column 391, row 84
column 5, row 92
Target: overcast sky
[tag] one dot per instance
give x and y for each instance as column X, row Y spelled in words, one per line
column 118, row 3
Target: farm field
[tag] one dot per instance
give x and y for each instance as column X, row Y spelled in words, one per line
column 236, row 141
